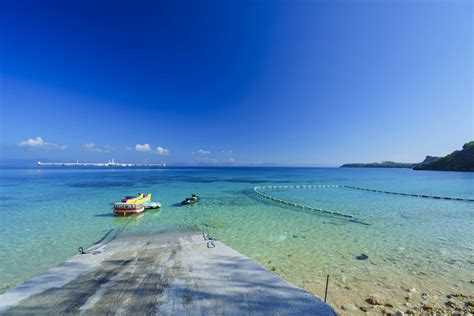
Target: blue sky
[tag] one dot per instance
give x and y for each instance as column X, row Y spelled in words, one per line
column 242, row 82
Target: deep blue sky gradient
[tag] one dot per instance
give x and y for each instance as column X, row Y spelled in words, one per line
column 286, row 82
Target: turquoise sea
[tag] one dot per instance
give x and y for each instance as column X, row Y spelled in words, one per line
column 47, row 213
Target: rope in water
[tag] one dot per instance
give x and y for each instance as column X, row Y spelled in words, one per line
column 206, row 235
column 312, row 186
column 103, row 240
column 304, row 207
column 409, row 194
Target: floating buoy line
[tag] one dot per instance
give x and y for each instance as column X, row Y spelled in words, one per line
column 300, row 206
column 258, row 189
column 409, row 194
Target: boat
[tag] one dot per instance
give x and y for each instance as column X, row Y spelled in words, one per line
column 132, row 204
column 139, row 199
column 128, row 208
column 125, row 199
column 151, row 205
column 193, row 199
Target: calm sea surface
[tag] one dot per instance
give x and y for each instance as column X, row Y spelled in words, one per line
column 47, row 213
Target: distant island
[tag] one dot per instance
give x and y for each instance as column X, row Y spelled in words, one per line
column 389, row 164
column 385, row 164
column 459, row 160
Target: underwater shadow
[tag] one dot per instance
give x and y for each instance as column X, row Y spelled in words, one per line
column 109, row 214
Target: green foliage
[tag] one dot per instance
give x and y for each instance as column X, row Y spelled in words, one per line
column 429, row 159
column 459, row 160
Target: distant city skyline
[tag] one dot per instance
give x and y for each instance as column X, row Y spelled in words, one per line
column 235, row 83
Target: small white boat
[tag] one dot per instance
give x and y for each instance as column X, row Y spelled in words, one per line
column 149, row 205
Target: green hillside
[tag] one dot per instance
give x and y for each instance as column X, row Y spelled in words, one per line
column 459, row 160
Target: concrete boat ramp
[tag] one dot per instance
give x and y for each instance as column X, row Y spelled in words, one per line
column 162, row 274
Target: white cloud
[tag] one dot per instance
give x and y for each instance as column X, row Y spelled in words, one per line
column 205, row 160
column 128, row 148
column 227, row 152
column 162, row 151
column 143, row 148
column 202, row 152
column 32, row 142
column 92, row 147
column 147, row 148
column 38, row 142
column 228, row 161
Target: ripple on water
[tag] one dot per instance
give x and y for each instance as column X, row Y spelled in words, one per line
column 409, row 242
column 102, row 184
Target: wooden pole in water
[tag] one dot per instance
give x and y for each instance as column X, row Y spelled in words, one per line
column 326, row 291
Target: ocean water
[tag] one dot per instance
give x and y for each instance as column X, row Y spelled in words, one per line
column 47, row 213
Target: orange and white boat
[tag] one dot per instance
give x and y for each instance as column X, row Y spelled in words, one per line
column 128, row 208
column 132, row 204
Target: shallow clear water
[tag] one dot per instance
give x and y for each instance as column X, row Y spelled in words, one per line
column 47, row 213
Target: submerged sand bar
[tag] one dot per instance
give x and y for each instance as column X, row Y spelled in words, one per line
column 166, row 274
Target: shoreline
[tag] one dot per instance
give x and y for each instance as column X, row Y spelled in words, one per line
column 389, row 296
column 409, row 243
column 167, row 273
